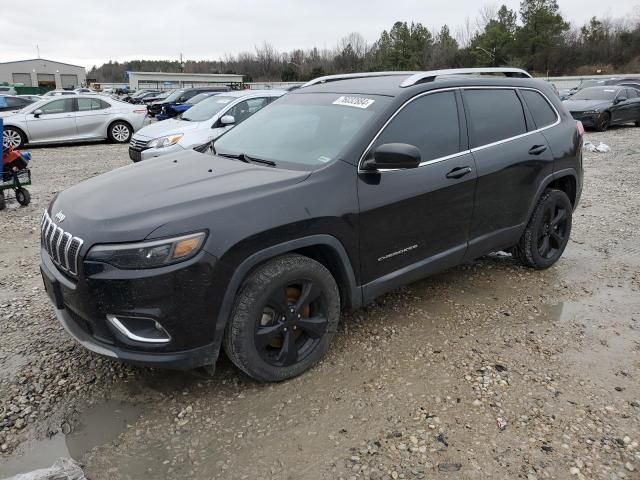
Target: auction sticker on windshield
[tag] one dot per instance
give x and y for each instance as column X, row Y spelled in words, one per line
column 357, row 102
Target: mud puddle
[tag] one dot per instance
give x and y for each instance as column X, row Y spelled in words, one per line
column 98, row 425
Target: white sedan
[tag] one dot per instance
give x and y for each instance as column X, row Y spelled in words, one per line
column 73, row 118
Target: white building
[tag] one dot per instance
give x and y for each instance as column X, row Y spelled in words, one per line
column 164, row 81
column 39, row 72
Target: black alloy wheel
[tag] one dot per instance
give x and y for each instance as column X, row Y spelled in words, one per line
column 554, row 227
column 284, row 318
column 292, row 324
column 547, row 233
column 603, row 122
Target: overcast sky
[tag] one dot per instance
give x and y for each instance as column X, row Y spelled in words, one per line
column 89, row 32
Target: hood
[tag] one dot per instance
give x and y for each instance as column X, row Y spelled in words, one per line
column 9, row 113
column 129, row 203
column 170, row 126
column 584, row 105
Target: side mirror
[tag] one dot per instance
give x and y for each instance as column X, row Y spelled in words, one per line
column 393, row 155
column 227, row 120
column 620, row 100
column 37, row 113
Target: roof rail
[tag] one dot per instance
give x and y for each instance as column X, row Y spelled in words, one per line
column 346, row 76
column 423, row 77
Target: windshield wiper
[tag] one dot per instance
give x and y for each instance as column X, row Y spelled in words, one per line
column 247, row 159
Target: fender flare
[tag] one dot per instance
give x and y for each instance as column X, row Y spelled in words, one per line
column 567, row 172
column 240, row 274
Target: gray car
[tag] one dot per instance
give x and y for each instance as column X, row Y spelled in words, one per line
column 203, row 122
column 73, row 118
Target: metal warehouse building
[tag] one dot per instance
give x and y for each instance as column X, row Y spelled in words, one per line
column 39, row 72
column 162, row 80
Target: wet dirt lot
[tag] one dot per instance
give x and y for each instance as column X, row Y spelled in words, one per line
column 488, row 370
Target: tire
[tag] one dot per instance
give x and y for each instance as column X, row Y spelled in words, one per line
column 637, row 124
column 23, row 197
column 13, row 137
column 551, row 220
column 273, row 333
column 120, row 132
column 3, row 202
column 604, row 122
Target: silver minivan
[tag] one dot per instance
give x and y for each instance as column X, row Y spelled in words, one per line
column 203, row 122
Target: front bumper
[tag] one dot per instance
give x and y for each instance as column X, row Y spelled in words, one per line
column 137, row 154
column 180, row 298
column 589, row 120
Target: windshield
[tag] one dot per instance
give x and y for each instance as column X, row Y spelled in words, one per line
column 207, row 108
column 174, row 95
column 198, row 98
column 596, row 93
column 302, row 130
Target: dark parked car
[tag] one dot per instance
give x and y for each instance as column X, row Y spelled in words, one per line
column 601, row 107
column 325, row 199
column 140, row 95
column 163, row 109
column 10, row 103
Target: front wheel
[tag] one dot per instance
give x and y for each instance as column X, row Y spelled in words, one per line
column 120, row 132
column 13, row 138
column 604, row 122
column 284, row 319
column 547, row 233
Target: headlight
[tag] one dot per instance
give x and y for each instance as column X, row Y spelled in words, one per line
column 157, row 253
column 162, row 142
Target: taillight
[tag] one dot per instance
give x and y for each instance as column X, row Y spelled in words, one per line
column 580, row 128
column 141, row 110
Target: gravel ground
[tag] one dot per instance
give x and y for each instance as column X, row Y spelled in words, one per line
column 489, row 370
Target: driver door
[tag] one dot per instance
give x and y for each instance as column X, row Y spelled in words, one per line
column 416, row 221
column 56, row 123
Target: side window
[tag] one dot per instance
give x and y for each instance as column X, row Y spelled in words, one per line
column 493, row 115
column 632, row 93
column 103, row 104
column 63, row 105
column 85, row 104
column 543, row 114
column 429, row 123
column 15, row 102
column 187, row 95
column 246, row 108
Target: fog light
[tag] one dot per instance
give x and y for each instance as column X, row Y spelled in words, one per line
column 139, row 329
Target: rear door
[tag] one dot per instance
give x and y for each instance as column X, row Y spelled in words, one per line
column 633, row 98
column 512, row 157
column 56, row 123
column 91, row 117
column 416, row 221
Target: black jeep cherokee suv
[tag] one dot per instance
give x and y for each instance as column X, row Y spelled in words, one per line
column 327, row 198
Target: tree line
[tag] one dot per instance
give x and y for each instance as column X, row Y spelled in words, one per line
column 536, row 37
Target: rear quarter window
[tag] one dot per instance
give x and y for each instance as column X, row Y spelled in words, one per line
column 543, row 114
column 493, row 115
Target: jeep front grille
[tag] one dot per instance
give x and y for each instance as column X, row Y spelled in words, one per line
column 62, row 247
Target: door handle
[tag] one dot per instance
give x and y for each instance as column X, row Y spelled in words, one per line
column 458, row 172
column 537, row 149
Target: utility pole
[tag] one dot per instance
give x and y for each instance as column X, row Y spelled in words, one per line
column 181, row 64
column 38, row 50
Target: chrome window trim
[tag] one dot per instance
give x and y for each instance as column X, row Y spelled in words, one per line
column 465, row 152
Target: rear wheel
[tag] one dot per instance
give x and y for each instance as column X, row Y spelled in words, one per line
column 284, row 319
column 3, row 203
column 23, row 197
column 120, row 132
column 604, row 122
column 547, row 233
column 13, row 138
